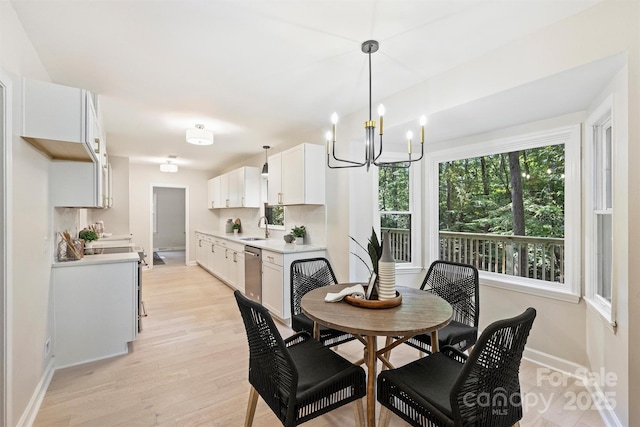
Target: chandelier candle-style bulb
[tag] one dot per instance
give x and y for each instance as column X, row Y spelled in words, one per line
column 423, row 122
column 328, row 138
column 409, row 136
column 334, row 121
column 381, row 114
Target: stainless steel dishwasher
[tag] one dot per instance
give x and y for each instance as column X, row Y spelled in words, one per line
column 253, row 273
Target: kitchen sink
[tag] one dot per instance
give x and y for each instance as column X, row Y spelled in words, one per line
column 249, row 239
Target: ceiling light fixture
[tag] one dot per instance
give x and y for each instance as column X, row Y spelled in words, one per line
column 370, row 156
column 265, row 167
column 199, row 136
column 169, row 167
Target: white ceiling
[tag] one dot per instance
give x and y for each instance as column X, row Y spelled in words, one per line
column 259, row 72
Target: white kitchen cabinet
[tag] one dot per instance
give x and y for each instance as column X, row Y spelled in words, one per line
column 95, row 310
column 221, row 265
column 60, row 120
column 272, row 289
column 201, row 255
column 76, row 184
column 238, row 260
column 276, row 280
column 296, row 176
column 214, row 199
column 239, row 188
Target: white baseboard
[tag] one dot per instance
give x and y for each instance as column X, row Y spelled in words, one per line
column 581, row 373
column 192, row 263
column 31, row 411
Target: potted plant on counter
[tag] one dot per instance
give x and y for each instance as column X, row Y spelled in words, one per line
column 88, row 236
column 299, row 233
column 236, row 228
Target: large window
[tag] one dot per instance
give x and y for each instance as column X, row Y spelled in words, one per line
column 504, row 212
column 510, row 206
column 599, row 222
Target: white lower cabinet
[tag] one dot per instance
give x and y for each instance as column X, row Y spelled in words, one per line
column 95, row 310
column 276, row 280
column 225, row 259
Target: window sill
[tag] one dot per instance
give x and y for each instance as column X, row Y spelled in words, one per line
column 519, row 285
column 602, row 313
column 409, row 269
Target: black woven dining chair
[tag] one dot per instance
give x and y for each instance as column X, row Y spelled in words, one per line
column 457, row 284
column 449, row 388
column 307, row 275
column 298, row 378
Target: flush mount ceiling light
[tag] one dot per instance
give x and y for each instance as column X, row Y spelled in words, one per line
column 199, row 136
column 169, row 167
column 370, row 154
column 265, row 167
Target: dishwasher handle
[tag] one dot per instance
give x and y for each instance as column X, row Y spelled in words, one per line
column 251, row 253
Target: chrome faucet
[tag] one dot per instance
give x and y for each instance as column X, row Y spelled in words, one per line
column 266, row 226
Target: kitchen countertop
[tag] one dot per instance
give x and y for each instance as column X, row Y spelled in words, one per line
column 99, row 259
column 274, row 244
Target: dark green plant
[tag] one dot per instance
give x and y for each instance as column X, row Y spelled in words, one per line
column 373, row 249
column 87, row 235
column 235, row 227
column 299, row 231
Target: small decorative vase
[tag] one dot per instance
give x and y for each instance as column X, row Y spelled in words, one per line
column 386, row 271
column 235, row 231
column 299, row 241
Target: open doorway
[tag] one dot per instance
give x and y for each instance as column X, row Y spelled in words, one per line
column 169, row 221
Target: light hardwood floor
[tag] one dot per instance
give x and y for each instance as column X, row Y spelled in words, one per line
column 189, row 368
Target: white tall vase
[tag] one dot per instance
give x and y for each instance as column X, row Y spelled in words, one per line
column 386, row 271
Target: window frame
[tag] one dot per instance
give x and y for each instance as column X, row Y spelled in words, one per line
column 601, row 118
column 567, row 135
column 415, row 210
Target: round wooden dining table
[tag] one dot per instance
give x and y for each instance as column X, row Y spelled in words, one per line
column 420, row 312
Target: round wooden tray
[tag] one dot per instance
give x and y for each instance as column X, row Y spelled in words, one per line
column 374, row 303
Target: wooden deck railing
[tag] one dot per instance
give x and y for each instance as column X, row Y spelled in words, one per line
column 400, row 243
column 534, row 257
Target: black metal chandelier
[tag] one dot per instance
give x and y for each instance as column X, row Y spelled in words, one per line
column 370, row 154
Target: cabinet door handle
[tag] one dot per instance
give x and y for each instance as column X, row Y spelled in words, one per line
column 199, row 243
column 226, row 253
column 270, row 258
column 235, row 259
column 243, row 202
column 279, row 198
column 97, row 141
column 213, row 249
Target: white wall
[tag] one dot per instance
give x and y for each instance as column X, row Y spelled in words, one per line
column 32, row 231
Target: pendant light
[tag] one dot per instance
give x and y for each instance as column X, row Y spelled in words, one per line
column 265, row 167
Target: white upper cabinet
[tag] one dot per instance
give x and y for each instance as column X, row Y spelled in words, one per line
column 213, row 193
column 76, row 184
column 239, row 188
column 297, row 176
column 61, row 121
